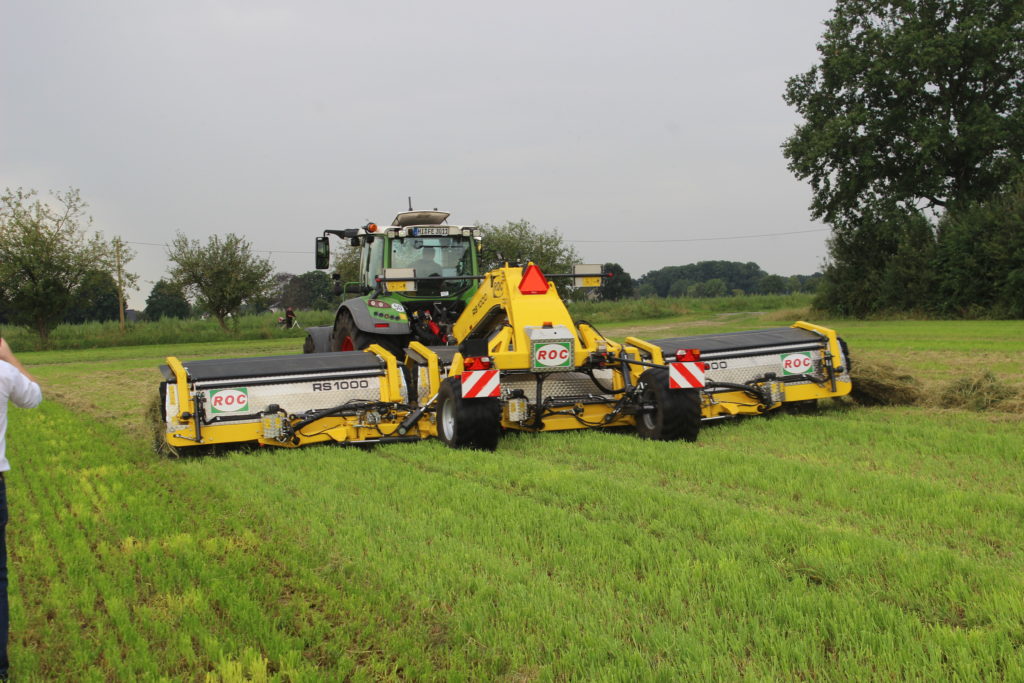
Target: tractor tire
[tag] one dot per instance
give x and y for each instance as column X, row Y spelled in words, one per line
column 348, row 337
column 318, row 339
column 467, row 423
column 676, row 412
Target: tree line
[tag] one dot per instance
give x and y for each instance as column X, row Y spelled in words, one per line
column 53, row 271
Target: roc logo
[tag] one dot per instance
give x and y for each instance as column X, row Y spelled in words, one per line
column 797, row 363
column 552, row 354
column 229, row 400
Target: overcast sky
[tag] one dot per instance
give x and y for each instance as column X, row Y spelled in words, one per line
column 613, row 123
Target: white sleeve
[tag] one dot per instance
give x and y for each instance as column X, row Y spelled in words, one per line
column 24, row 392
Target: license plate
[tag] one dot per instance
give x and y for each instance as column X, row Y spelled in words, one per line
column 433, row 232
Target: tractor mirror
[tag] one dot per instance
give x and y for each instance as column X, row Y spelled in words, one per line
column 323, row 252
column 399, row 280
column 587, row 274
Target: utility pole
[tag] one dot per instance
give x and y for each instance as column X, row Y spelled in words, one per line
column 122, row 255
column 119, row 270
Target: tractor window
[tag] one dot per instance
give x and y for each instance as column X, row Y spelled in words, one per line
column 373, row 253
column 433, row 256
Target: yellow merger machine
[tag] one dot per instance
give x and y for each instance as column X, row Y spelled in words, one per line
column 516, row 360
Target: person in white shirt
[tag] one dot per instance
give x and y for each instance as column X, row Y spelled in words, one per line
column 21, row 389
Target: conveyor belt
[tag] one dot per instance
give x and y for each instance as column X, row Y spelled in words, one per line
column 732, row 344
column 272, row 366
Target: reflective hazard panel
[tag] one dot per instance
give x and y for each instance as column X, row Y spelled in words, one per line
column 481, row 384
column 686, row 375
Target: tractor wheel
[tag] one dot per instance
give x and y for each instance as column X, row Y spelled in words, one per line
column 676, row 413
column 467, row 423
column 348, row 337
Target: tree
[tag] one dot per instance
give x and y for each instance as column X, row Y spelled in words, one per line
column 221, row 275
column 914, row 109
column 736, row 275
column 772, row 284
column 96, row 300
column 985, row 238
column 346, row 263
column 520, row 241
column 309, row 291
column 709, row 288
column 619, row 286
column 45, row 255
column 166, row 300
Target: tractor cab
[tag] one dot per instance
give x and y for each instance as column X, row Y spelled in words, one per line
column 437, row 254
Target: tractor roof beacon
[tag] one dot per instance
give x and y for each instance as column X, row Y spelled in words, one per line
column 415, row 277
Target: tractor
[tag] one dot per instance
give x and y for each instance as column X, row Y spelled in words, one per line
column 415, row 277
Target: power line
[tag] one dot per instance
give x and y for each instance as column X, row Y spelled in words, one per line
column 262, row 251
column 705, row 239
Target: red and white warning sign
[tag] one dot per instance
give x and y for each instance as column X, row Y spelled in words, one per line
column 685, row 375
column 481, row 384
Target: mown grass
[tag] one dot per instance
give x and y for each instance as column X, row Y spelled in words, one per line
column 861, row 543
column 629, row 311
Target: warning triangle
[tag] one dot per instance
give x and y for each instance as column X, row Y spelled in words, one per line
column 533, row 281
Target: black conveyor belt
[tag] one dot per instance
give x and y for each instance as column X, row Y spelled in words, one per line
column 734, row 342
column 268, row 366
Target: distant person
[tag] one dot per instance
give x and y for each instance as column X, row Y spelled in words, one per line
column 289, row 318
column 21, row 389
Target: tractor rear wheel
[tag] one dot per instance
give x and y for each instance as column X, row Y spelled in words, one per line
column 348, row 337
column 675, row 414
column 467, row 423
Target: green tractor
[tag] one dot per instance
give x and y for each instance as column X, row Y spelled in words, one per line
column 415, row 277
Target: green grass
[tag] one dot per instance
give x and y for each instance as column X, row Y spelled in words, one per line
column 164, row 331
column 858, row 544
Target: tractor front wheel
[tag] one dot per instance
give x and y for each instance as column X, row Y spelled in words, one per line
column 467, row 423
column 674, row 413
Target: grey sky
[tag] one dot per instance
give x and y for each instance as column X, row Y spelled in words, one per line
column 604, row 120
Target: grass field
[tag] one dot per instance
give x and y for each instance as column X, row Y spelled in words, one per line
column 857, row 544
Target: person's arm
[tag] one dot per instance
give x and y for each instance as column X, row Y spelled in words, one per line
column 7, row 355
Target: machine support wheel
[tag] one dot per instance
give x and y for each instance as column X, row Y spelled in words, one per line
column 348, row 337
column 676, row 413
column 467, row 423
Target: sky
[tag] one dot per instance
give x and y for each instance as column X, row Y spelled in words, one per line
column 647, row 134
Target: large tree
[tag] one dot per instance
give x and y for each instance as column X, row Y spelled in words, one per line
column 914, row 109
column 220, row 275
column 521, row 241
column 45, row 256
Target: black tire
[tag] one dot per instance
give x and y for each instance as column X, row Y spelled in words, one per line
column 809, row 407
column 467, row 423
column 676, row 413
column 348, row 337
column 846, row 354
